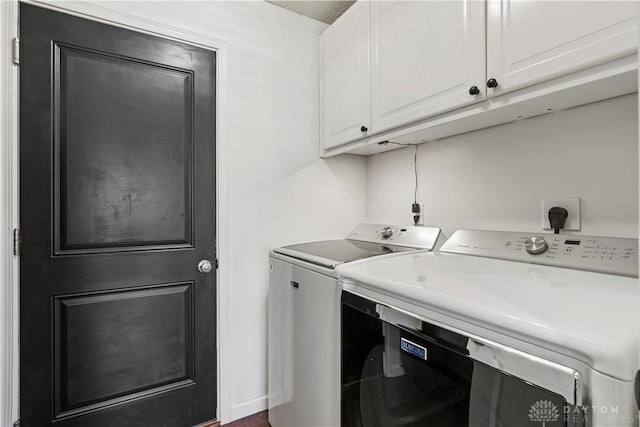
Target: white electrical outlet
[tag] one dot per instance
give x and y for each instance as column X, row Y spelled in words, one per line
column 571, row 205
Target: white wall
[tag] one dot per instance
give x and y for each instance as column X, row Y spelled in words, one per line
column 273, row 186
column 496, row 178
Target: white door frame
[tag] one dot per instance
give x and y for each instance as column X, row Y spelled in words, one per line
column 9, row 188
column 9, row 267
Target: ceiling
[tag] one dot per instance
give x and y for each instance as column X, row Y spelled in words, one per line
column 326, row 11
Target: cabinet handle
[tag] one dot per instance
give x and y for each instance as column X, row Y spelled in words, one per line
column 473, row 90
column 363, row 128
column 492, row 83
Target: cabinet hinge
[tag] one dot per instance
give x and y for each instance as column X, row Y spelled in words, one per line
column 215, row 263
column 17, row 239
column 15, row 51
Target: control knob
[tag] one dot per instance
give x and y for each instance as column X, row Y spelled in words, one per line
column 535, row 245
column 386, row 233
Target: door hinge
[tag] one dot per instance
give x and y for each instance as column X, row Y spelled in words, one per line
column 15, row 51
column 16, row 424
column 17, row 239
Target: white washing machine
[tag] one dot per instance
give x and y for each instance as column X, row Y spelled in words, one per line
column 304, row 318
column 524, row 332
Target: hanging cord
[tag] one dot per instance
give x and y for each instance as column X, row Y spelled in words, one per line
column 396, row 143
column 415, row 206
column 415, row 166
column 415, row 171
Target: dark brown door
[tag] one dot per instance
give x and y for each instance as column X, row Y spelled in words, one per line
column 117, row 188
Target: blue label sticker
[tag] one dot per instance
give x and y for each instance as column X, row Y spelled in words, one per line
column 413, row 348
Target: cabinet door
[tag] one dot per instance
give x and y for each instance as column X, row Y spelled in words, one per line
column 426, row 55
column 532, row 41
column 345, row 77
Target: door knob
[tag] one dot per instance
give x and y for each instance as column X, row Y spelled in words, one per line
column 205, row 266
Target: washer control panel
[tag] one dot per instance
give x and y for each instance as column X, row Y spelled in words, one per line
column 612, row 255
column 408, row 236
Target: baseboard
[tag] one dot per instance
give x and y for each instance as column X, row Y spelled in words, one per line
column 248, row 407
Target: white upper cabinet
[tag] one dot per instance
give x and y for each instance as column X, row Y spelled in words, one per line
column 425, row 58
column 345, row 77
column 533, row 41
column 412, row 70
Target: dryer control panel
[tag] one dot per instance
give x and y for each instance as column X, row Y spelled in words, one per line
column 409, row 236
column 612, row 255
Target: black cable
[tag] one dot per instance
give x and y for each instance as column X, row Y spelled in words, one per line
column 396, row 143
column 415, row 207
column 415, row 164
column 415, row 171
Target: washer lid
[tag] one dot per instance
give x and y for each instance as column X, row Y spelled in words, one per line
column 330, row 253
column 365, row 241
column 592, row 317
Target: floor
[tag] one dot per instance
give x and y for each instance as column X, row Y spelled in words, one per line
column 256, row 420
